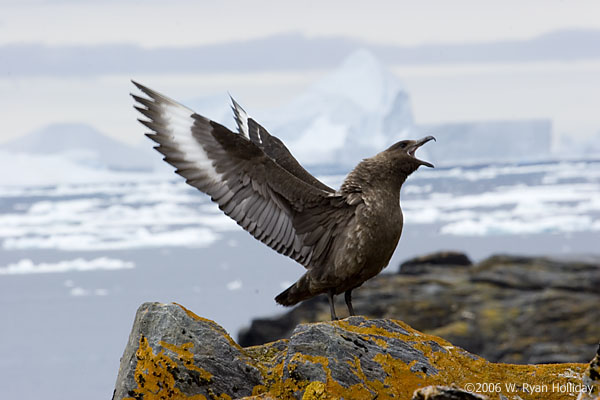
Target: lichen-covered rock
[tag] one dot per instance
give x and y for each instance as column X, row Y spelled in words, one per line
column 174, row 354
column 505, row 308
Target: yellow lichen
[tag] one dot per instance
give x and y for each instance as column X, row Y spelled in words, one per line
column 187, row 358
column 314, row 391
column 152, row 375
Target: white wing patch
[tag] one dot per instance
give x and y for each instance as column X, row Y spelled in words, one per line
column 179, row 125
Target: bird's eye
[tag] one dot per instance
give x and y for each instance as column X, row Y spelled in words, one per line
column 399, row 145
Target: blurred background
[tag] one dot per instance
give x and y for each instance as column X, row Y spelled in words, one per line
column 93, row 223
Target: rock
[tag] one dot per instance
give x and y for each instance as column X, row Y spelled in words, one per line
column 506, row 308
column 174, row 354
column 533, row 274
column 423, row 264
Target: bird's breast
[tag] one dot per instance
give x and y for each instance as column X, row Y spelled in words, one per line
column 384, row 227
column 370, row 241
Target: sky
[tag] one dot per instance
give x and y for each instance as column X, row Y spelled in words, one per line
column 180, row 23
column 566, row 91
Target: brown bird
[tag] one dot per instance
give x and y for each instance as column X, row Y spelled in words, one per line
column 343, row 237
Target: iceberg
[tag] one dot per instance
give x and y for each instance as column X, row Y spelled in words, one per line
column 352, row 113
column 490, row 142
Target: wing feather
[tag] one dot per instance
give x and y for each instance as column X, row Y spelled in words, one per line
column 278, row 205
column 272, row 146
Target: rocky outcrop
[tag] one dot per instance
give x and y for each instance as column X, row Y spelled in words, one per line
column 174, row 354
column 429, row 262
column 505, row 308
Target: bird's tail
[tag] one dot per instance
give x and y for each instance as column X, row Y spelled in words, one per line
column 296, row 293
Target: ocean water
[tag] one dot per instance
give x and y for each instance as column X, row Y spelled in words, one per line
column 76, row 260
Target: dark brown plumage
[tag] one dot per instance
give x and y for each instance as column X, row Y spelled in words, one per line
column 342, row 237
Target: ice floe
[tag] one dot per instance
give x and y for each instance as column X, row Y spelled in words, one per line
column 27, row 266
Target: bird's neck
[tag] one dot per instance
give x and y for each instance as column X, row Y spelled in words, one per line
column 373, row 174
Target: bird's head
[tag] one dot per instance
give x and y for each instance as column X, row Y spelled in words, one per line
column 391, row 167
column 403, row 153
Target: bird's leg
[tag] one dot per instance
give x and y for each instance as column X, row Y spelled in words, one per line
column 348, row 298
column 331, row 306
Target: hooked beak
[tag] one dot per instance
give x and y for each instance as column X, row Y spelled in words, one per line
column 419, row 143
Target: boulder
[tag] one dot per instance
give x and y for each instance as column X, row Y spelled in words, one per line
column 506, row 308
column 427, row 263
column 174, row 354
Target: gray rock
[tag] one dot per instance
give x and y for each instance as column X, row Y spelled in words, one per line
column 429, row 262
column 341, row 346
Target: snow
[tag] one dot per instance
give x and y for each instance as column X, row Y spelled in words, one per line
column 556, row 203
column 116, row 240
column 27, row 266
column 496, row 223
column 128, row 215
column 80, row 292
column 234, row 285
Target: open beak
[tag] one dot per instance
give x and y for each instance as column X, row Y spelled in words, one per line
column 419, row 143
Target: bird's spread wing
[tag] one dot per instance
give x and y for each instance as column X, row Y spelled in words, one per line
column 272, row 146
column 283, row 211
